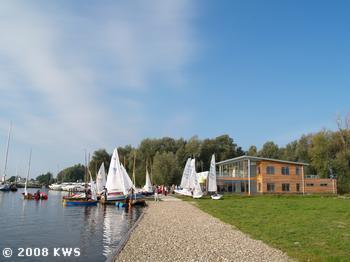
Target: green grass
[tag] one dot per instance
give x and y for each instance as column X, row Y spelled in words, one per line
column 307, row 228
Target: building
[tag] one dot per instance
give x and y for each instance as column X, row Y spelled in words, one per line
column 257, row 175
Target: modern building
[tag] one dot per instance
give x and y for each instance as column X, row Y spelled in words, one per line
column 256, row 175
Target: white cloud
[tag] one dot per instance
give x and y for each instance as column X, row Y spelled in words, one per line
column 58, row 62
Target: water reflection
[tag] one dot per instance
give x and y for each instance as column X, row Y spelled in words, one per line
column 96, row 230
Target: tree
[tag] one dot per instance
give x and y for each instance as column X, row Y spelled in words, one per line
column 11, row 179
column 98, row 157
column 252, row 151
column 269, row 150
column 72, row 174
column 45, row 179
column 320, row 153
column 165, row 171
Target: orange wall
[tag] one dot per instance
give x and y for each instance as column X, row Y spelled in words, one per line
column 278, row 179
column 317, row 188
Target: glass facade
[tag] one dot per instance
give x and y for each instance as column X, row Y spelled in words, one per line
column 238, row 169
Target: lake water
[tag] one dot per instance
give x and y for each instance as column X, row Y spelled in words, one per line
column 40, row 226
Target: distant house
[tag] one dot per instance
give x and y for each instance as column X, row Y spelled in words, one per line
column 257, row 175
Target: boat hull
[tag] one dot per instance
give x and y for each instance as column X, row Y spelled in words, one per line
column 216, row 197
column 4, row 188
column 80, row 202
column 30, row 196
column 183, row 192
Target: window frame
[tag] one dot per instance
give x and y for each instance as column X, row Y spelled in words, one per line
column 269, row 168
column 283, row 187
column 285, row 170
column 272, row 186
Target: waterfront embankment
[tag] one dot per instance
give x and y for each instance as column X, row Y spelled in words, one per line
column 175, row 230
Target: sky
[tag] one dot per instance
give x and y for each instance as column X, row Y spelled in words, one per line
column 84, row 75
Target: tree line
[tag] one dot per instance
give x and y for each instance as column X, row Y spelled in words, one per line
column 327, row 152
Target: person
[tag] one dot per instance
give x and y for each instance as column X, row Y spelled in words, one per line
column 104, row 192
column 156, row 194
column 165, row 190
column 88, row 194
column 38, row 194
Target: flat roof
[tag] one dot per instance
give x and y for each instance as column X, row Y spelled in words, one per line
column 260, row 159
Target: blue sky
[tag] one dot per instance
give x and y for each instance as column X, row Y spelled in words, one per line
column 78, row 75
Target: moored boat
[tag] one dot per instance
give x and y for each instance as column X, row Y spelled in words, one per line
column 5, row 187
column 13, row 188
column 212, row 186
column 147, row 189
column 80, row 202
column 190, row 181
column 118, row 182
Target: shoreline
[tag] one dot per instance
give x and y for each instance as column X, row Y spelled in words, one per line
column 125, row 238
column 175, row 230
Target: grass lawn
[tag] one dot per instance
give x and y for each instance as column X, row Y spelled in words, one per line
column 308, row 228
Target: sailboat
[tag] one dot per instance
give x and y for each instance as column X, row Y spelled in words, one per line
column 190, row 181
column 83, row 199
column 135, row 198
column 194, row 180
column 118, row 181
column 101, row 179
column 147, row 189
column 185, row 180
column 29, row 196
column 5, row 186
column 212, row 186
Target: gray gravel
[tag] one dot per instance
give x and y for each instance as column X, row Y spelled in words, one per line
column 178, row 231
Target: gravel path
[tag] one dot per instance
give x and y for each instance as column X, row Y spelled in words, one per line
column 178, row 231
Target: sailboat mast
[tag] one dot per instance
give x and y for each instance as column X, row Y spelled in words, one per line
column 133, row 172
column 29, row 163
column 30, row 159
column 85, row 175
column 7, row 151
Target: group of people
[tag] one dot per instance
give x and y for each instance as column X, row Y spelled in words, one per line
column 164, row 190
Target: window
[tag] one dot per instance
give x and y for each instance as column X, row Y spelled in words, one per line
column 285, row 187
column 297, row 171
column 298, row 187
column 270, row 170
column 270, row 187
column 285, row 170
column 310, row 184
column 323, row 184
column 243, row 187
column 259, row 187
column 259, row 170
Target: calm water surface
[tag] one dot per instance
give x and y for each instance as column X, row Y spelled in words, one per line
column 96, row 231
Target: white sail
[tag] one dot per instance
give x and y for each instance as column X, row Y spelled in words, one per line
column 101, row 179
column 127, row 180
column 194, row 180
column 93, row 189
column 193, row 174
column 25, row 188
column 148, row 185
column 115, row 181
column 186, row 174
column 187, row 180
column 212, row 187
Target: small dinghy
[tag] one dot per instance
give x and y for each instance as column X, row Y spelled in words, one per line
column 35, row 196
column 4, row 187
column 81, row 196
column 13, row 188
column 216, row 197
column 89, row 202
